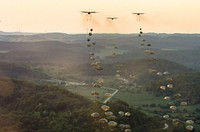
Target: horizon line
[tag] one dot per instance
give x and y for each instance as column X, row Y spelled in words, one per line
column 72, row 33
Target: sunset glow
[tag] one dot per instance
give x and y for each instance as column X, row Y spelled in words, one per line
column 170, row 16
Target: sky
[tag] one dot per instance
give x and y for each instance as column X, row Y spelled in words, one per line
column 161, row 16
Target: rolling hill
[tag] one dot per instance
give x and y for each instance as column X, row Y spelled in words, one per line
column 173, row 47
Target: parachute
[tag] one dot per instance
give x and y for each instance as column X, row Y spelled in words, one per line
column 127, row 114
column 177, row 95
column 112, row 123
column 163, row 87
column 105, row 107
column 92, row 58
column 103, row 120
column 183, row 103
column 112, row 117
column 98, row 67
column 107, row 95
column 159, row 73
column 166, row 116
column 150, row 52
column 91, row 53
column 166, row 73
column 190, row 128
column 95, row 114
column 173, row 108
column 121, row 113
column 117, row 75
column 167, row 98
column 166, row 126
column 148, row 44
column 109, row 113
column 170, row 86
column 94, row 93
column 190, row 122
column 127, row 130
column 90, row 34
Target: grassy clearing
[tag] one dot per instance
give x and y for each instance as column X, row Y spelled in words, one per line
column 138, row 99
column 135, row 99
column 86, row 91
column 143, row 98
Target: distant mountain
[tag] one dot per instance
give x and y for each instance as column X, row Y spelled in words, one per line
column 172, row 47
column 16, row 33
column 44, row 52
column 74, row 58
column 35, row 37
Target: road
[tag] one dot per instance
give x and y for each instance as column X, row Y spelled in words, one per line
column 113, row 94
column 76, row 83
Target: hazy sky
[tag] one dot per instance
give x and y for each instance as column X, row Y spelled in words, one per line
column 166, row 16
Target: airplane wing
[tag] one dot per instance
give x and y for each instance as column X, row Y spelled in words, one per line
column 93, row 12
column 140, row 13
column 84, row 11
column 112, row 18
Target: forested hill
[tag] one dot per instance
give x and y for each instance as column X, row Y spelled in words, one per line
column 29, row 107
column 187, row 84
column 20, row 71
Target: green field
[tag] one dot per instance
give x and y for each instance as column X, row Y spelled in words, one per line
column 134, row 98
column 138, row 99
column 87, row 90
